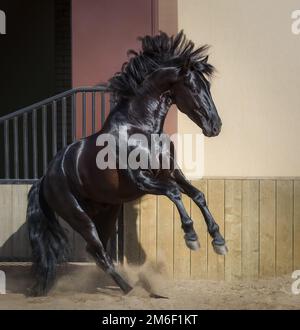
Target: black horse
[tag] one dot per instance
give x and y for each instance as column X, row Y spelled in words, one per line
column 168, row 70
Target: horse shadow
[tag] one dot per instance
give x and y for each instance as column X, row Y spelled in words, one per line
column 133, row 251
column 16, row 247
column 15, row 258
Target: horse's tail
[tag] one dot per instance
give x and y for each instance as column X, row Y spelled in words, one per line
column 48, row 240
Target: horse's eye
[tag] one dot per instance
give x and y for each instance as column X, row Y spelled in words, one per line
column 194, row 90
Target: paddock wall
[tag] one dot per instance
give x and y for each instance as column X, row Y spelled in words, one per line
column 255, row 87
column 14, row 244
column 259, row 217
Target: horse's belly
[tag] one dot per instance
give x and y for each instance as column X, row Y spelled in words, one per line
column 113, row 187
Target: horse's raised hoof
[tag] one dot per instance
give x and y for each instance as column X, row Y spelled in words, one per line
column 220, row 249
column 193, row 245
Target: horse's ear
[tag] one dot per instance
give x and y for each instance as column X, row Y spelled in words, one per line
column 185, row 68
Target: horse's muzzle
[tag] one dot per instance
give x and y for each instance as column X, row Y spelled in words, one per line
column 215, row 131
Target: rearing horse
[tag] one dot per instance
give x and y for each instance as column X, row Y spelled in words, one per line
column 168, row 70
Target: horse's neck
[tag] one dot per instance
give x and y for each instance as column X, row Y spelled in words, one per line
column 152, row 111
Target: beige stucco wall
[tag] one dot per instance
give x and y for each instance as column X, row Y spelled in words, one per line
column 257, row 87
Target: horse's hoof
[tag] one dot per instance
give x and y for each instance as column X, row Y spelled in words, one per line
column 157, row 296
column 34, row 292
column 220, row 249
column 127, row 289
column 193, row 245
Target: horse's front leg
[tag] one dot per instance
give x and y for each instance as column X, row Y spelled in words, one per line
column 198, row 197
column 168, row 187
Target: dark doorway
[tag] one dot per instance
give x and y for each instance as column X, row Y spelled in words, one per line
column 35, row 63
column 35, row 52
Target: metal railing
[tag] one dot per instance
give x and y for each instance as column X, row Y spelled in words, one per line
column 33, row 135
column 30, row 137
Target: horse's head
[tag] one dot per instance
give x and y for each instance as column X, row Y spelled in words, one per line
column 191, row 94
column 171, row 64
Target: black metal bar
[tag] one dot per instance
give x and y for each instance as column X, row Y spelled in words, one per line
column 17, row 181
column 6, row 148
column 49, row 100
column 25, row 145
column 16, row 148
column 34, row 142
column 32, row 111
column 45, row 147
column 54, row 128
column 73, row 117
column 83, row 114
column 116, row 248
column 93, row 112
column 111, row 101
column 102, row 109
column 64, row 122
column 120, row 235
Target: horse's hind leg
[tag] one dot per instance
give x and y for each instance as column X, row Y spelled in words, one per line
column 79, row 220
column 105, row 221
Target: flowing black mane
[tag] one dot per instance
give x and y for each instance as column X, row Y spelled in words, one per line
column 158, row 52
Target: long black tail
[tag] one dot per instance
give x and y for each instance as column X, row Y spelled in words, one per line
column 48, row 240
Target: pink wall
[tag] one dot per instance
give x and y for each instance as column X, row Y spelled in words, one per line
column 102, row 32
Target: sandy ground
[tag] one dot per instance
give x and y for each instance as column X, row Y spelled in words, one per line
column 86, row 287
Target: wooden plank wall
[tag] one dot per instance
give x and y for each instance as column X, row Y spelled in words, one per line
column 259, row 217
column 13, row 231
column 14, row 243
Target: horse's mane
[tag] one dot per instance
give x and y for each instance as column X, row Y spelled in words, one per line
column 158, row 52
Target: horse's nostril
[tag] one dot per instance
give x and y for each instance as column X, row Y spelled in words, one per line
column 216, row 130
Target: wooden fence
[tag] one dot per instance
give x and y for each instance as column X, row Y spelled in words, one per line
column 259, row 217
column 14, row 243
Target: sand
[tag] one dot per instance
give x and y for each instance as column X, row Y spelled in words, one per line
column 86, row 287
